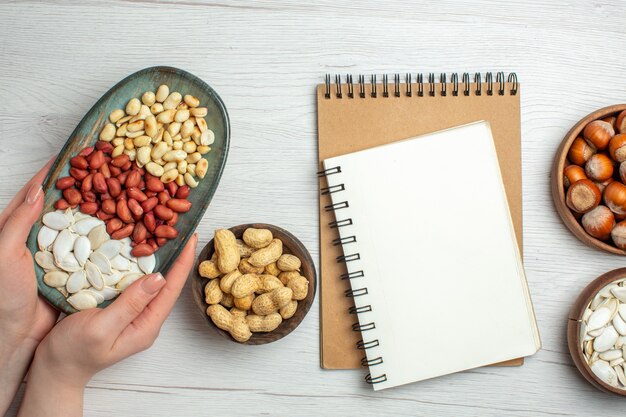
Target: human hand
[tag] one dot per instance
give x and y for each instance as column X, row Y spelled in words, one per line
column 25, row 318
column 86, row 342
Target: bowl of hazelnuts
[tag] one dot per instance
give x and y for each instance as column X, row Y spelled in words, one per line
column 589, row 179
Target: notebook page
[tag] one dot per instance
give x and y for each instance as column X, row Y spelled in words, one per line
column 441, row 265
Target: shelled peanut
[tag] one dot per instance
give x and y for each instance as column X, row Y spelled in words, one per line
column 595, row 178
column 165, row 133
column 253, row 286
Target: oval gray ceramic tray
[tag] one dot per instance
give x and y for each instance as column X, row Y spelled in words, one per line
column 86, row 134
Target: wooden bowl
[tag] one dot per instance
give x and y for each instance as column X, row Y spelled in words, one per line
column 291, row 245
column 558, row 190
column 573, row 328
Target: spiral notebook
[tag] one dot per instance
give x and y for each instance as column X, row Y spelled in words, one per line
column 362, row 112
column 432, row 259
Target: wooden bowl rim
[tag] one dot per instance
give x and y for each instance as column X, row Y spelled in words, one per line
column 573, row 328
column 289, row 325
column 558, row 192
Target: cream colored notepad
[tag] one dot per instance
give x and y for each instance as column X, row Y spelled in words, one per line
column 434, row 266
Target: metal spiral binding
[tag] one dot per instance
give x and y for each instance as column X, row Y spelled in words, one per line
column 375, row 380
column 431, row 84
column 371, row 362
column 466, row 84
column 348, row 258
column 385, row 85
column 500, row 79
column 363, row 327
column 354, row 292
column 340, row 223
column 352, row 275
column 344, row 240
column 358, row 310
column 350, row 86
column 454, row 79
column 336, row 206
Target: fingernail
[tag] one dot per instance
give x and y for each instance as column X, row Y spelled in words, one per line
column 153, row 283
column 33, row 193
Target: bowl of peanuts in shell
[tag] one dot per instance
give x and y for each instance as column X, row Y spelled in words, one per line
column 254, row 283
column 588, row 179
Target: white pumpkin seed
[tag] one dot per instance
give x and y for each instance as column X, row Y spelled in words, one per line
column 127, row 280
column 621, row 377
column 101, row 261
column 112, row 279
column 63, row 244
column 94, row 275
column 120, row 263
column 45, row 260
column 97, row 295
column 619, row 324
column 45, row 237
column 110, row 248
column 82, row 249
column 83, row 300
column 107, row 293
column 622, row 311
column 604, row 371
column 599, row 318
column 98, row 236
column 606, row 340
column 56, row 221
column 69, row 263
column 84, row 226
column 596, row 332
column 611, row 355
column 76, row 282
column 55, row 278
column 147, row 263
column 125, row 252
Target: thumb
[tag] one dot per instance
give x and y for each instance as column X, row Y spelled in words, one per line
column 21, row 219
column 131, row 303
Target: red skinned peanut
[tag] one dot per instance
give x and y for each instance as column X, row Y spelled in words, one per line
column 123, row 232
column 123, row 212
column 65, row 182
column 89, row 207
column 179, row 205
column 143, row 249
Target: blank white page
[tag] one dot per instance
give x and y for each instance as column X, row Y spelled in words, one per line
column 440, row 262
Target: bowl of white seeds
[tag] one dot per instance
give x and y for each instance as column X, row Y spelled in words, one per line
column 596, row 332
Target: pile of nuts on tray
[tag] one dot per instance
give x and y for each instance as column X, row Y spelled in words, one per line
column 253, row 286
column 135, row 180
column 595, row 179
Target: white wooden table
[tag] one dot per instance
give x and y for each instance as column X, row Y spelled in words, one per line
column 264, row 59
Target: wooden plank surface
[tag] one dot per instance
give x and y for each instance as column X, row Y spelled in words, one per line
column 264, row 59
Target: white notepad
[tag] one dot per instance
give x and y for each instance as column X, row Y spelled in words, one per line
column 426, row 223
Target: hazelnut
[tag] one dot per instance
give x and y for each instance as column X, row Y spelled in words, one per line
column 583, row 195
column 602, row 185
column 615, row 197
column 573, row 173
column 599, row 167
column 618, row 234
column 617, row 147
column 598, row 134
column 620, row 122
column 580, row 151
column 599, row 222
column 610, row 120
